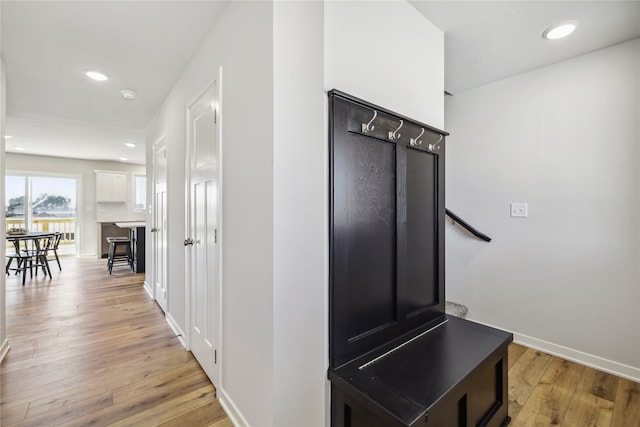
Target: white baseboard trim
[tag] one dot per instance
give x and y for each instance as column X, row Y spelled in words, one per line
column 174, row 326
column 231, row 409
column 586, row 359
column 4, row 349
column 148, row 289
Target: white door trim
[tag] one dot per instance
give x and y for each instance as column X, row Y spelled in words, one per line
column 154, row 150
column 216, row 78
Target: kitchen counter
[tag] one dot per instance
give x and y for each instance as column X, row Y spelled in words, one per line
column 132, row 224
column 113, row 221
column 134, row 229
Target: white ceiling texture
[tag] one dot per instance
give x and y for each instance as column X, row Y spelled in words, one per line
column 54, row 110
column 487, row 41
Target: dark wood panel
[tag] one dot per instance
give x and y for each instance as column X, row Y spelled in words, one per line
column 421, row 290
column 364, row 234
column 385, row 280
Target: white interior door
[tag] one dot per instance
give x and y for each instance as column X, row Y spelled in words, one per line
column 159, row 228
column 202, row 242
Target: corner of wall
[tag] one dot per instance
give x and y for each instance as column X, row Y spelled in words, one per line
column 3, row 114
column 175, row 328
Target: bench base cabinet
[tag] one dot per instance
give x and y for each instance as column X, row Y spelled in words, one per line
column 452, row 376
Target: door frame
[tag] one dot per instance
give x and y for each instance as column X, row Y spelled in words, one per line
column 154, row 207
column 217, row 78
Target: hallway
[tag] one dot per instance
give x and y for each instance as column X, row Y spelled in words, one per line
column 92, row 349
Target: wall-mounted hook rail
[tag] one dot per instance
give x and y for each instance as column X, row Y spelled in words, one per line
column 395, row 135
column 434, row 147
column 366, row 127
column 416, row 140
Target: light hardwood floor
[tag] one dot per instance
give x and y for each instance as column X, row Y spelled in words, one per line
column 89, row 349
column 548, row 391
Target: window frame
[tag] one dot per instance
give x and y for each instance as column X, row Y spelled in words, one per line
column 134, row 191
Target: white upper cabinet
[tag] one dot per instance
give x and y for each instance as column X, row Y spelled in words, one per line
column 112, row 187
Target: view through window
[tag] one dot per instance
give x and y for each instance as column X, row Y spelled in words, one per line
column 140, row 192
column 40, row 203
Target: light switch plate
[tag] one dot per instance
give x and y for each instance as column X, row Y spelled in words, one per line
column 519, row 210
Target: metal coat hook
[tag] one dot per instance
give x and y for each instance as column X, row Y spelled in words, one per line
column 433, row 147
column 395, row 135
column 416, row 140
column 368, row 126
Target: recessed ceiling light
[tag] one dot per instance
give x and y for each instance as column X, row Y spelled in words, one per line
column 96, row 75
column 560, row 30
column 130, row 144
column 18, row 148
column 8, row 137
column 128, row 94
column 124, row 159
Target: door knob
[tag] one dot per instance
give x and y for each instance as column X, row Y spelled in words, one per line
column 189, row 242
column 153, row 230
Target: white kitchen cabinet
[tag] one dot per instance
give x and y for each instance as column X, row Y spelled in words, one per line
column 111, row 187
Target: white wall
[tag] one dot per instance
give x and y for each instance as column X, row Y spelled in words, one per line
column 240, row 42
column 88, row 211
column 4, row 344
column 565, row 139
column 387, row 53
column 300, row 216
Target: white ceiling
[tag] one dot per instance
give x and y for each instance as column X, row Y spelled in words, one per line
column 54, row 110
column 487, row 41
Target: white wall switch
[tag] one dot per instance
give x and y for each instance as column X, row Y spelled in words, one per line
column 519, row 210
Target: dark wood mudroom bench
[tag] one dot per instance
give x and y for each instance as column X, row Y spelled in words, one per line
column 395, row 358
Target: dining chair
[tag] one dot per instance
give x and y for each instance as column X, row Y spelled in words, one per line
column 23, row 258
column 54, row 249
column 40, row 254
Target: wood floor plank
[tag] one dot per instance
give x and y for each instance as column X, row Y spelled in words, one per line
column 96, row 347
column 13, row 414
column 150, row 403
column 152, row 382
column 222, row 423
column 200, row 416
column 65, row 413
column 626, row 410
column 167, row 411
column 599, row 384
column 588, row 410
column 515, row 352
column 64, row 397
column 524, row 377
column 551, row 397
column 127, row 371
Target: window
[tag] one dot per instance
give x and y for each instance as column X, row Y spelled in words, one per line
column 43, row 203
column 140, row 192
